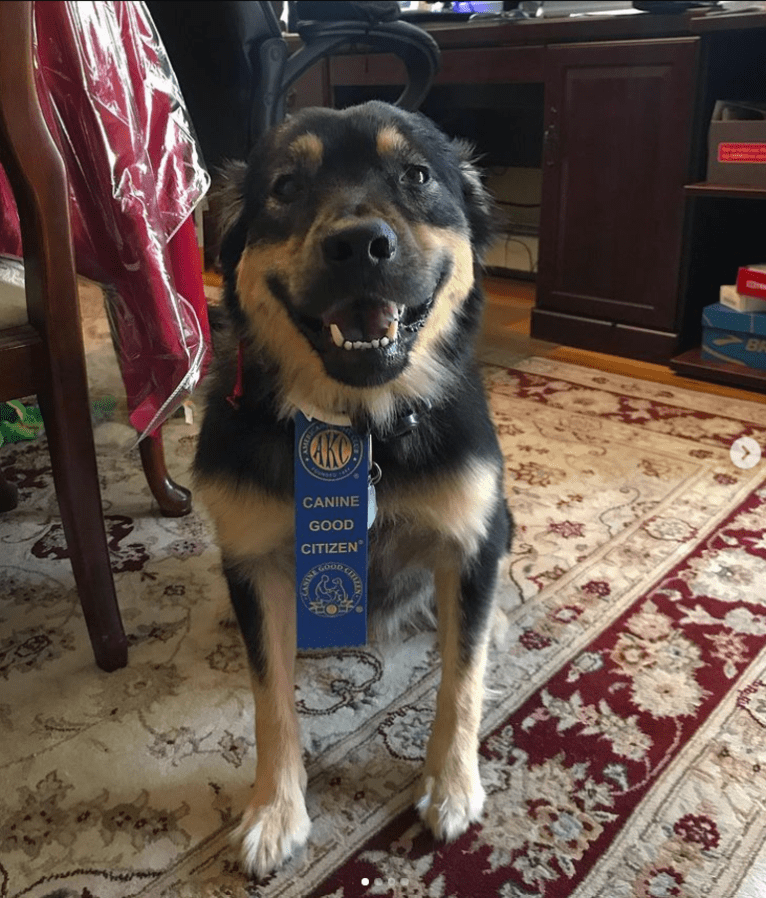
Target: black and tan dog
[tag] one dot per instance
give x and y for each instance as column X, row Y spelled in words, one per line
column 352, row 245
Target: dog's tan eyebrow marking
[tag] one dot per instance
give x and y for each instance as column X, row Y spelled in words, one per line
column 391, row 141
column 308, row 149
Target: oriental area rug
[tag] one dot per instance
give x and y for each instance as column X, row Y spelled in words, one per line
column 623, row 744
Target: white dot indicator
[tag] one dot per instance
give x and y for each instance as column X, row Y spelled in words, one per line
column 365, row 882
column 745, row 452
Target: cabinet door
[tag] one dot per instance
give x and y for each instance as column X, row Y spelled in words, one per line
column 617, row 146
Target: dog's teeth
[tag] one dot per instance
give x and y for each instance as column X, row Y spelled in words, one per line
column 337, row 336
column 390, row 336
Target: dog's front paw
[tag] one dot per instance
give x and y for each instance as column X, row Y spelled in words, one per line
column 270, row 833
column 449, row 804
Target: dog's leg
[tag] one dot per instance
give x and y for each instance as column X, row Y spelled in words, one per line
column 275, row 822
column 450, row 796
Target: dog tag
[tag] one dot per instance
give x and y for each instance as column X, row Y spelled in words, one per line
column 332, row 511
column 372, row 504
column 372, row 480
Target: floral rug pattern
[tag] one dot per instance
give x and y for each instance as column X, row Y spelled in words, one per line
column 623, row 744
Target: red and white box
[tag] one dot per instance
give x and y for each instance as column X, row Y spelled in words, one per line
column 737, row 144
column 751, row 281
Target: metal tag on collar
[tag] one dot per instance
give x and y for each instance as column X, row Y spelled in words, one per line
column 332, row 509
column 372, row 479
column 406, row 424
column 410, row 420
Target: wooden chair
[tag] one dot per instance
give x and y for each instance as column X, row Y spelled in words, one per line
column 45, row 356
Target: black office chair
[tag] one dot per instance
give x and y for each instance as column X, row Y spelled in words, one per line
column 232, row 62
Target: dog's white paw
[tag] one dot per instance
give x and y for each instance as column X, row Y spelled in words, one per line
column 270, row 833
column 448, row 805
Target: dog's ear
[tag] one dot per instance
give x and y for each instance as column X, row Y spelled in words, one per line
column 482, row 211
column 227, row 205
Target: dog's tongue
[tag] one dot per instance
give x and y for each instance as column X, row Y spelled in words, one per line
column 362, row 321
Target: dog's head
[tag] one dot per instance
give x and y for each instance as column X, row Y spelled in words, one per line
column 351, row 244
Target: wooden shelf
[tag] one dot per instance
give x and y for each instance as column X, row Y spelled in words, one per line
column 704, row 21
column 704, row 188
column 691, row 364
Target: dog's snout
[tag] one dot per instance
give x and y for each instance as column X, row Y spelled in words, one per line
column 367, row 243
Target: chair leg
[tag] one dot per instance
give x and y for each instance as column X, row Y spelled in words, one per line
column 75, row 474
column 174, row 500
column 9, row 495
column 37, row 175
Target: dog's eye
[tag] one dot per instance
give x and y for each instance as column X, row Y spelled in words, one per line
column 416, row 174
column 286, row 188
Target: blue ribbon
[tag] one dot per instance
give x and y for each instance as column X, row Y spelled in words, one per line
column 331, row 518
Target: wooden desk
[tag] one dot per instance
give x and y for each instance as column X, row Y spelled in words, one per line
column 632, row 245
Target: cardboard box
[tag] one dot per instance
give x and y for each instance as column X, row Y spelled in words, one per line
column 737, row 144
column 730, row 336
column 751, row 280
column 733, row 300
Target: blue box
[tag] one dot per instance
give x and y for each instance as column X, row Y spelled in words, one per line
column 732, row 336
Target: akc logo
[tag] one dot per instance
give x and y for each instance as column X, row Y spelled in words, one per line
column 330, row 453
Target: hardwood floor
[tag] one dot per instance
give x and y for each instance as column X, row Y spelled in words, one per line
column 505, row 340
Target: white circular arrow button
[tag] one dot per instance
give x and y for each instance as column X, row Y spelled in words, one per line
column 745, row 452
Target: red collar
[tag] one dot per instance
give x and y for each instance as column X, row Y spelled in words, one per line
column 236, row 394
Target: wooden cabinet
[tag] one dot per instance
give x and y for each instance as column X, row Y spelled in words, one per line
column 618, row 124
column 616, row 111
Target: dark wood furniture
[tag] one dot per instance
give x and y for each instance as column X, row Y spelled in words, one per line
column 633, row 243
column 618, row 119
column 174, row 500
column 46, row 357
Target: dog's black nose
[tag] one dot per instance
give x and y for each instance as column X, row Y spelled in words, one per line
column 367, row 243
